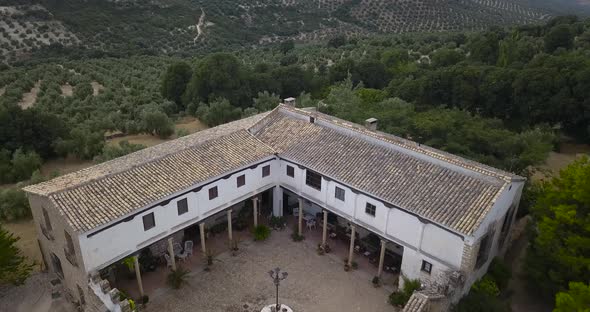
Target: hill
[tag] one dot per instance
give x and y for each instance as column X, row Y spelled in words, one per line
column 186, row 27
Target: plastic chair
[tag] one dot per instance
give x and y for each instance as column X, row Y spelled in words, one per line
column 188, row 248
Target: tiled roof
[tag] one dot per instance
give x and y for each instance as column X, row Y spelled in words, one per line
column 417, row 303
column 97, row 195
column 444, row 188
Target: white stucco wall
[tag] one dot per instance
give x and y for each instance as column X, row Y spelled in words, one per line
column 420, row 239
column 126, row 237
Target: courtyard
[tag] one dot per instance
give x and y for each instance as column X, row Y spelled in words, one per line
column 241, row 283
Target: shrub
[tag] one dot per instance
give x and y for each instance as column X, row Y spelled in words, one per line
column 297, row 238
column 500, row 273
column 177, row 277
column 475, row 301
column 14, row 204
column 14, row 268
column 158, row 123
column 486, row 286
column 261, row 232
column 400, row 298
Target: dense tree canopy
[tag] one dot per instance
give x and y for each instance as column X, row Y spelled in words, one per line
column 175, row 80
column 577, row 298
column 560, row 250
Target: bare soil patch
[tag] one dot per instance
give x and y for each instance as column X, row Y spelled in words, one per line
column 96, row 87
column 190, row 124
column 30, row 97
column 64, row 165
column 144, row 139
column 28, row 240
column 67, row 90
column 557, row 161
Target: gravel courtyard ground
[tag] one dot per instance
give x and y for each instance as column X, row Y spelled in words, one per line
column 241, row 283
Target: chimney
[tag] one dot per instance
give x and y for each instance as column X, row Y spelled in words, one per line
column 371, row 124
column 290, row 101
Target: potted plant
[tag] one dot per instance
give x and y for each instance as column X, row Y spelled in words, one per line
column 130, row 264
column 376, row 281
column 346, row 267
column 327, row 248
column 208, row 260
column 234, row 247
column 354, row 265
column 320, row 249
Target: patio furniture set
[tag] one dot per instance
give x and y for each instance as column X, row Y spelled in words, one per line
column 179, row 253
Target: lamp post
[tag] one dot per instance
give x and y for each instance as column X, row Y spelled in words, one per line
column 277, row 277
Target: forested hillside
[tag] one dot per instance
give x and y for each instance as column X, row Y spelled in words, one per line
column 513, row 91
column 186, row 27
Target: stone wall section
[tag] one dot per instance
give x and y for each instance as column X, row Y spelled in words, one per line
column 53, row 243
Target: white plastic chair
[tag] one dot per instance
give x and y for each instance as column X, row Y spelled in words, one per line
column 295, row 212
column 188, row 248
column 311, row 224
column 178, row 251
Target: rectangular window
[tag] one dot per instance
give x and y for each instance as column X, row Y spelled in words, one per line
column 47, row 222
column 313, row 179
column 266, row 171
column 148, row 221
column 241, row 180
column 290, row 171
column 370, row 209
column 69, row 243
column 339, row 193
column 213, row 193
column 426, row 266
column 182, row 206
column 484, row 250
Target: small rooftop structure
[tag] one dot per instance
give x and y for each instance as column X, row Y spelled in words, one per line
column 290, row 101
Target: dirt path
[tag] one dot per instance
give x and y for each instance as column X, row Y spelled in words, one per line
column 200, row 26
column 30, row 97
column 522, row 299
column 559, row 160
column 28, row 240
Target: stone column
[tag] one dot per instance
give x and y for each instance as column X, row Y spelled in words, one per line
column 229, row 229
column 202, row 234
column 255, row 206
column 138, row 274
column 325, row 228
column 300, row 217
column 381, row 258
column 351, row 250
column 171, row 253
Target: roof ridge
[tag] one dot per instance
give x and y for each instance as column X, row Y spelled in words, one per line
column 151, row 161
column 417, row 147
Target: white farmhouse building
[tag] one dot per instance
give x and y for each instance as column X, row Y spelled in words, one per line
column 441, row 217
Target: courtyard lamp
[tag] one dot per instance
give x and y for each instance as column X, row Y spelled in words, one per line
column 277, row 277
